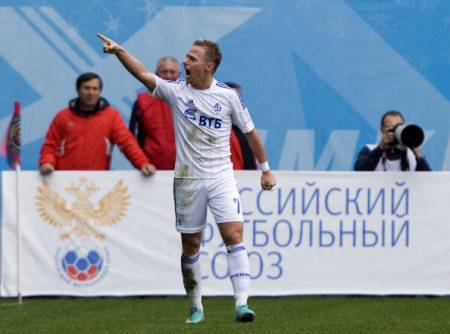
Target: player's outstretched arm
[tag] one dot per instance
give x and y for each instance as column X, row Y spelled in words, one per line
column 268, row 180
column 134, row 66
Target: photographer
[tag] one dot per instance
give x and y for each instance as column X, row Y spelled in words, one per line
column 389, row 154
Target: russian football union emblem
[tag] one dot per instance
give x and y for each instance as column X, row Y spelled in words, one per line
column 82, row 262
column 82, row 258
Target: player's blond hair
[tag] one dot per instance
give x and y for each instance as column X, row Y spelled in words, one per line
column 212, row 51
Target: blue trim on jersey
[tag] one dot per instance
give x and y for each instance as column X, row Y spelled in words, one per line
column 174, row 81
column 243, row 104
column 223, row 85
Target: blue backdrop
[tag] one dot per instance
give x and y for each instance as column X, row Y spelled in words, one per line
column 316, row 74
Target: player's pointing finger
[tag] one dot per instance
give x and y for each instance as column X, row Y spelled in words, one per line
column 103, row 38
column 109, row 46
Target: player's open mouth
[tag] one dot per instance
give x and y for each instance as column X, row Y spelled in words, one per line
column 188, row 73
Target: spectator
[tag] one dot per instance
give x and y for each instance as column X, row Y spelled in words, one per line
column 151, row 120
column 389, row 154
column 82, row 135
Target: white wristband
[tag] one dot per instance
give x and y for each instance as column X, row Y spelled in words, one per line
column 264, row 166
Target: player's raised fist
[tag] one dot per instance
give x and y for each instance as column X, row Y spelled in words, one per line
column 109, row 46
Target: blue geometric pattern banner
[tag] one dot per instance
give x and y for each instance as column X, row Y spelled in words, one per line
column 316, row 74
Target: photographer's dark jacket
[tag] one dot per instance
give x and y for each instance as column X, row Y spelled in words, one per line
column 372, row 158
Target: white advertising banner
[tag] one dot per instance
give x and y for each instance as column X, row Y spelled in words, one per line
column 113, row 233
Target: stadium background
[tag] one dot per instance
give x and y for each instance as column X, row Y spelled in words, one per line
column 316, row 74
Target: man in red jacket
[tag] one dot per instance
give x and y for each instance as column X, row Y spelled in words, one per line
column 81, row 136
column 151, row 120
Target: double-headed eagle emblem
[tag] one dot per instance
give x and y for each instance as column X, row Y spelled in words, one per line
column 82, row 218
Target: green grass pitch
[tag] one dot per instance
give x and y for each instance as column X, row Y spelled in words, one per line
column 320, row 314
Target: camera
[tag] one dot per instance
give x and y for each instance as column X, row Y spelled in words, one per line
column 409, row 135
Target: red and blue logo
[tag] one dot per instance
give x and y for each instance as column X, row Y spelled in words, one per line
column 82, row 263
column 82, row 267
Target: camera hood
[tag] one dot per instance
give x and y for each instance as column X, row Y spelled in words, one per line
column 410, row 135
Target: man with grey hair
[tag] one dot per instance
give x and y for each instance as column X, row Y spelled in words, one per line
column 151, row 120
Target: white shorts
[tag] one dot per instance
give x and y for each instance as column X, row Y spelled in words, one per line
column 193, row 196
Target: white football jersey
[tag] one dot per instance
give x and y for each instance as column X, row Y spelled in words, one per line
column 202, row 122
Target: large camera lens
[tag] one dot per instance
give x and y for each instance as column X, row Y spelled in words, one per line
column 410, row 135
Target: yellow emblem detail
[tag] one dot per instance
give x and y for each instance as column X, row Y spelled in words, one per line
column 81, row 219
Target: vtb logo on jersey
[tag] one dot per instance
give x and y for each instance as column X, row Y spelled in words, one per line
column 210, row 122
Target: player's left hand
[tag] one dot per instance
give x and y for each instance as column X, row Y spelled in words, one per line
column 148, row 170
column 268, row 180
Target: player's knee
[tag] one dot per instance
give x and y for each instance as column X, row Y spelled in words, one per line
column 233, row 237
column 191, row 246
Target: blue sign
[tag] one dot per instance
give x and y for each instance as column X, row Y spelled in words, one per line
column 316, row 74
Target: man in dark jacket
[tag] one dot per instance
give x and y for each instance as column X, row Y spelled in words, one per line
column 389, row 155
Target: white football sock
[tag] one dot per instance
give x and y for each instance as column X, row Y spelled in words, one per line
column 190, row 268
column 238, row 269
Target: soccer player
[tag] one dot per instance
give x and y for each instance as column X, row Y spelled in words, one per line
column 203, row 111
